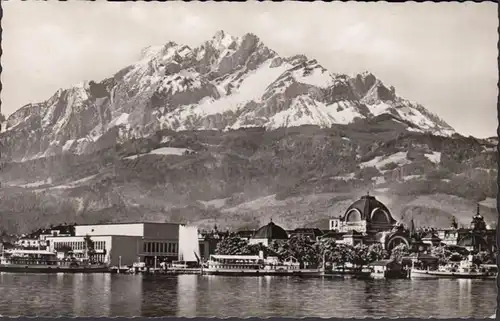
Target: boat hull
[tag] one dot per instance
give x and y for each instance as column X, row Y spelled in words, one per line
column 348, row 275
column 51, row 269
column 261, row 272
column 420, row 274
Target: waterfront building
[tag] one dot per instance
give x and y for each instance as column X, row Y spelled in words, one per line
column 477, row 237
column 44, row 236
column 123, row 243
column 352, row 238
column 382, row 267
column 368, row 221
column 268, row 233
column 208, row 240
column 207, row 247
column 313, row 234
column 208, row 244
column 38, row 240
column 431, row 239
column 28, row 243
column 366, row 215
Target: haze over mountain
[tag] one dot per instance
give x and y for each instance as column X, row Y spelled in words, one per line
column 192, row 133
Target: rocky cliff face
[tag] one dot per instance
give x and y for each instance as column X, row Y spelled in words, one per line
column 226, row 83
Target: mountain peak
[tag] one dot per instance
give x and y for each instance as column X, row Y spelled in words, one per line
column 152, row 51
column 227, row 82
column 220, row 34
column 222, row 39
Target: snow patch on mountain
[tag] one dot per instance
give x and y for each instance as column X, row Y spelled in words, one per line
column 317, row 77
column 434, row 157
column 305, row 110
column 120, row 120
column 67, row 145
column 164, row 151
column 380, row 108
column 399, row 158
column 249, row 87
column 252, row 87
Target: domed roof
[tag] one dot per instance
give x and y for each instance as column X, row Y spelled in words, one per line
column 366, row 207
column 271, row 231
column 473, row 240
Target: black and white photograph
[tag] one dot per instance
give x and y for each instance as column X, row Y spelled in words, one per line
column 254, row 159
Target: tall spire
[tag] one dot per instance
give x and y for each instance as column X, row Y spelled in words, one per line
column 412, row 228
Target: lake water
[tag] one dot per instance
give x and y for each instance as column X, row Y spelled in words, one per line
column 193, row 295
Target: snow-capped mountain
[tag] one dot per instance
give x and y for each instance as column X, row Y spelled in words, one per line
column 225, row 83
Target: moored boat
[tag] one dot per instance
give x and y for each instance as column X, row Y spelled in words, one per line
column 253, row 265
column 119, row 269
column 348, row 273
column 45, row 262
column 464, row 270
column 388, row 269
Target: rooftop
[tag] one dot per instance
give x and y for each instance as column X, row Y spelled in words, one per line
column 129, row 223
column 271, row 231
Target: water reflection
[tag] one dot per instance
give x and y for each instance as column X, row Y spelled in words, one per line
column 159, row 296
column 191, row 295
column 126, row 295
column 187, row 295
column 91, row 294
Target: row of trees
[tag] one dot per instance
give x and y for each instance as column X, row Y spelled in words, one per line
column 306, row 251
column 328, row 251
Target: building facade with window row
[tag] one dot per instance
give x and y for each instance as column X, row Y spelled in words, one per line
column 122, row 243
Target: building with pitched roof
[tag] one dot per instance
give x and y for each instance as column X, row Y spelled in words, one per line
column 268, row 233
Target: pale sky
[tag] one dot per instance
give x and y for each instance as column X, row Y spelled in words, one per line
column 442, row 55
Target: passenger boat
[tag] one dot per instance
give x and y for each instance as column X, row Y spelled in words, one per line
column 45, row 262
column 253, row 265
column 465, row 270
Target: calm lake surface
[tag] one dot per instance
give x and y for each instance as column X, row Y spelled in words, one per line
column 193, row 295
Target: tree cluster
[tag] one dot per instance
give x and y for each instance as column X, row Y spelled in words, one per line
column 307, row 252
column 328, row 251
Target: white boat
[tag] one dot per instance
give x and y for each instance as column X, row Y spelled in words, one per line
column 38, row 261
column 464, row 270
column 252, row 265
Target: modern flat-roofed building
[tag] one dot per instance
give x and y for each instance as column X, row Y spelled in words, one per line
column 124, row 243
